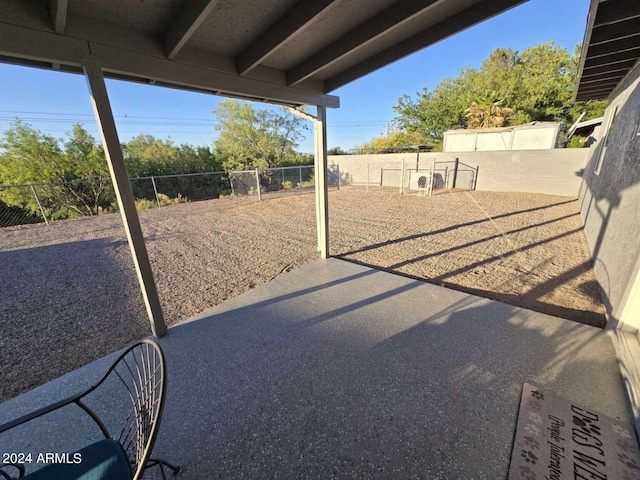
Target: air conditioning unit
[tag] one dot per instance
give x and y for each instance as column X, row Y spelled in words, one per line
column 419, row 180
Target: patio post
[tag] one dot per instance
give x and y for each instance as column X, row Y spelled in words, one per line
column 124, row 195
column 322, row 199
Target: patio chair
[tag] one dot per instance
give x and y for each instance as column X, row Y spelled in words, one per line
column 140, row 372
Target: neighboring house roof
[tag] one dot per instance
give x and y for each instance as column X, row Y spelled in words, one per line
column 292, row 52
column 473, row 131
column 611, row 47
column 590, row 123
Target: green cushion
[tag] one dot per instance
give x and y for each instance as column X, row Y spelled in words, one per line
column 102, row 460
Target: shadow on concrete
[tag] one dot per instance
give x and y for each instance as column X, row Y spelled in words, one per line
column 377, row 377
column 351, row 372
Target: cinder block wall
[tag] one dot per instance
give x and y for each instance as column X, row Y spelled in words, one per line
column 557, row 171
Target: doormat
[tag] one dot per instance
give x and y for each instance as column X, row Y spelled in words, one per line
column 556, row 439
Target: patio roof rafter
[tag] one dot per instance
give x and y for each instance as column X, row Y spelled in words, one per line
column 622, row 66
column 58, row 12
column 287, row 27
column 387, row 20
column 623, row 29
column 473, row 15
column 611, row 47
column 185, row 24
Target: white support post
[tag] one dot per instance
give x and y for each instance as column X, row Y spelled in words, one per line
column 316, row 170
column 124, row 195
column 321, row 187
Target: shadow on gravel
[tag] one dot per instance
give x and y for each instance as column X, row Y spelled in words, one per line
column 531, row 299
column 451, row 228
column 90, row 284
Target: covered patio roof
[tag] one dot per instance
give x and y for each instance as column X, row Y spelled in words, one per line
column 611, row 47
column 285, row 51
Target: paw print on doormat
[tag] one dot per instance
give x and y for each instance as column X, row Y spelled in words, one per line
column 526, row 473
column 534, row 417
column 532, row 429
column 617, row 429
column 537, row 394
column 625, row 444
column 535, row 405
column 629, row 462
column 586, row 426
column 531, row 443
column 528, row 456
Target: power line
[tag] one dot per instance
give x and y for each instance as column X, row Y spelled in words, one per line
column 154, row 120
column 92, row 116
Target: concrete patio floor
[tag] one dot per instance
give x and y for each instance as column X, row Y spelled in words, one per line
column 336, row 370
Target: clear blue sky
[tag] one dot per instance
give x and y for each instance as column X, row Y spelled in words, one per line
column 53, row 101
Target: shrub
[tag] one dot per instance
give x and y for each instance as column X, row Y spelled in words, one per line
column 145, row 204
column 165, row 201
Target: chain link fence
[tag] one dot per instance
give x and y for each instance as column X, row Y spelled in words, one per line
column 280, row 180
column 439, row 176
column 47, row 202
column 432, row 177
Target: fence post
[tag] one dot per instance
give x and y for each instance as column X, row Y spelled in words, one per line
column 231, row 185
column 338, row 173
column 367, row 176
column 433, row 174
column 455, row 173
column 402, row 178
column 258, row 183
column 446, row 177
column 39, row 205
column 475, row 180
column 155, row 191
column 381, row 175
column 300, row 173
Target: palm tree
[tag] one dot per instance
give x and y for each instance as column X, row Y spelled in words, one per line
column 487, row 111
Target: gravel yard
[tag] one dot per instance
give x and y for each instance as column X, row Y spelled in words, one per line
column 70, row 294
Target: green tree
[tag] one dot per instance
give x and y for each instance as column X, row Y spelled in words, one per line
column 536, row 84
column 336, row 151
column 394, row 139
column 251, row 138
column 146, row 155
column 28, row 156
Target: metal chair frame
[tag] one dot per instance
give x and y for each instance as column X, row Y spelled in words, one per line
column 141, row 369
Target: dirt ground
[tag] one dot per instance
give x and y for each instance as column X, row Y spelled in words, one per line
column 70, row 294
